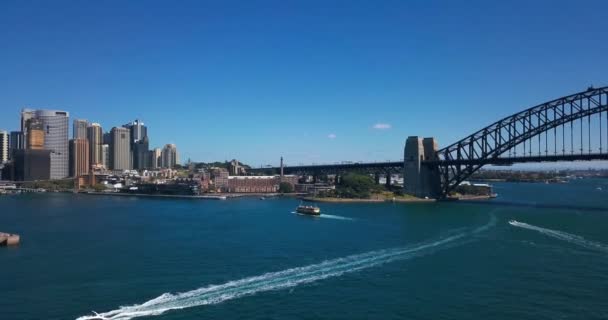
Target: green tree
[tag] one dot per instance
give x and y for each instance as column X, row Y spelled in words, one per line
column 99, row 187
column 355, row 185
column 285, row 187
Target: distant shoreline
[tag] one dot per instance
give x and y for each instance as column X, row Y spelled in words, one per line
column 141, row 195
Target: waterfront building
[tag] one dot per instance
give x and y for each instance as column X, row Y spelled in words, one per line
column 80, row 129
column 105, row 156
column 16, row 142
column 205, row 180
column 95, row 138
column 244, row 184
column 188, row 188
column 220, row 179
column 79, row 157
column 120, row 152
column 258, row 184
column 159, row 173
column 55, row 124
column 169, row 156
column 4, row 149
column 31, row 164
column 35, row 134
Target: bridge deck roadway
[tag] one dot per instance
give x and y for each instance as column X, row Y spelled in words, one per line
column 335, row 167
column 395, row 164
column 525, row 159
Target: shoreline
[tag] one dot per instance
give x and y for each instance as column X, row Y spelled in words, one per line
column 141, row 195
column 227, row 196
column 400, row 200
column 353, row 200
column 212, row 196
column 475, row 198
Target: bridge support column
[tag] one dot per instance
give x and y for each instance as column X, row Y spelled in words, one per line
column 388, row 180
column 377, row 178
column 420, row 180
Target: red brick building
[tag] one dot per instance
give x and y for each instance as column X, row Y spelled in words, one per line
column 258, row 184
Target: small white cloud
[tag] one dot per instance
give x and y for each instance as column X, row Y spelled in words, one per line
column 331, row 136
column 382, row 126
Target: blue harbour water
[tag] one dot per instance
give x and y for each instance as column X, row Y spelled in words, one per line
column 136, row 258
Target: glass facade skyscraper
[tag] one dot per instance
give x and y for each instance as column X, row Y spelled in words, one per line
column 55, row 125
column 80, row 129
column 169, row 157
column 95, row 137
column 139, row 144
column 4, row 150
column 16, row 142
column 120, row 149
column 137, row 129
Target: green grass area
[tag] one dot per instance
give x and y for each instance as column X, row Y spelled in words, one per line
column 50, row 185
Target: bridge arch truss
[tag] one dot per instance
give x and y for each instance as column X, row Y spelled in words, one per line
column 570, row 128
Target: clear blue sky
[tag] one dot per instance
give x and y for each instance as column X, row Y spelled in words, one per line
column 308, row 80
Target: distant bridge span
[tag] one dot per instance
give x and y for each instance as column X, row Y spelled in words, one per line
column 369, row 167
column 570, row 128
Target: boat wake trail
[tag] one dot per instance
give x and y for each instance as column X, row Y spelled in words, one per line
column 329, row 216
column 564, row 236
column 215, row 294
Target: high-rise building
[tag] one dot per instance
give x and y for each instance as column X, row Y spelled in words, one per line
column 26, row 114
column 137, row 129
column 31, row 164
column 169, row 156
column 120, row 149
column 105, row 156
column 4, row 150
column 139, row 144
column 16, row 142
column 95, row 137
column 80, row 129
column 79, row 157
column 56, row 125
column 140, row 154
column 35, row 134
column 155, row 158
column 107, row 138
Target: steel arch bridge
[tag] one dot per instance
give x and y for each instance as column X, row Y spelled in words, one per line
column 570, row 128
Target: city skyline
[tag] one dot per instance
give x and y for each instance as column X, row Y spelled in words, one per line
column 206, row 82
column 43, row 149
